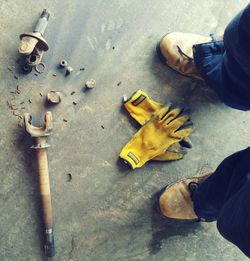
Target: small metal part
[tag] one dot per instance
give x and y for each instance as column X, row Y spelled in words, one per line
column 54, row 74
column 30, row 101
column 65, row 120
column 40, row 68
column 82, row 69
column 90, row 84
column 69, row 70
column 63, row 63
column 119, row 83
column 32, row 44
column 27, row 68
column 124, row 98
column 72, row 93
column 74, row 103
column 54, row 97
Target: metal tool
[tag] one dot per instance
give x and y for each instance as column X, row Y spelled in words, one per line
column 33, row 44
column 40, row 134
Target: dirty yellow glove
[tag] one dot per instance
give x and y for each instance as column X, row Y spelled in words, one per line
column 141, row 108
column 156, row 136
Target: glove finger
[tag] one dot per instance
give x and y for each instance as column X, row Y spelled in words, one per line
column 168, row 156
column 171, row 115
column 181, row 134
column 163, row 112
column 186, row 142
column 177, row 123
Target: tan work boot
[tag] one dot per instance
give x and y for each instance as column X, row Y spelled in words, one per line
column 176, row 50
column 175, row 201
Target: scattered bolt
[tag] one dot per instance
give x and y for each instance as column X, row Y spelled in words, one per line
column 65, row 120
column 22, row 102
column 12, row 92
column 63, row 63
column 36, row 74
column 90, row 84
column 15, row 77
column 30, row 101
column 9, row 68
column 18, row 91
column 82, row 69
column 54, row 74
column 102, row 126
column 74, row 103
column 54, row 97
column 119, row 83
column 72, row 93
column 41, row 94
column 113, row 48
column 69, row 70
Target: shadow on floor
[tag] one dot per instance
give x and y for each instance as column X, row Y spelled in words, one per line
column 163, row 228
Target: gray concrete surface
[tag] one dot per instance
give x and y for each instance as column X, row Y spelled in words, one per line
column 105, row 212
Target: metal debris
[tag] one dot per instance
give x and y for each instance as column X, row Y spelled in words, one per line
column 54, row 97
column 65, row 120
column 30, row 101
column 15, row 77
column 69, row 70
column 82, row 69
column 90, row 84
column 41, row 94
column 124, row 98
column 10, row 69
column 119, row 83
column 102, row 126
column 18, row 91
column 113, row 47
column 72, row 93
column 63, row 63
column 54, row 74
column 74, row 103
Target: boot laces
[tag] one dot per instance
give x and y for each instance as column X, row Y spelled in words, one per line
column 183, row 54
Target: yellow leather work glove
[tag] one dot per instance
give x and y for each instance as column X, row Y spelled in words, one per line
column 141, row 108
column 156, row 136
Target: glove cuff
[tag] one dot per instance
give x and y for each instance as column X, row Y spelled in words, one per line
column 130, row 158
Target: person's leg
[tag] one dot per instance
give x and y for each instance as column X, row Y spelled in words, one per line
column 224, row 65
column 223, row 196
column 229, row 177
column 228, row 73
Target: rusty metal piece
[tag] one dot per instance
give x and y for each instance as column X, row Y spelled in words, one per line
column 33, row 44
column 63, row 63
column 69, row 70
column 40, row 134
column 40, row 68
column 90, row 84
column 54, row 97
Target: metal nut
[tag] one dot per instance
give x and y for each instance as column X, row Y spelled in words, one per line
column 63, row 63
column 54, row 97
column 90, row 84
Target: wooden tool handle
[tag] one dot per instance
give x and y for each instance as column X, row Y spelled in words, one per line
column 43, row 175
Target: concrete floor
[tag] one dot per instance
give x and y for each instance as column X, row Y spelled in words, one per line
column 105, row 212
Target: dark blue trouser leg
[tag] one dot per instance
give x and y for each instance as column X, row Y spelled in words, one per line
column 225, row 66
column 225, row 197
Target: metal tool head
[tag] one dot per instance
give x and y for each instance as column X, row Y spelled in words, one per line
column 42, row 131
